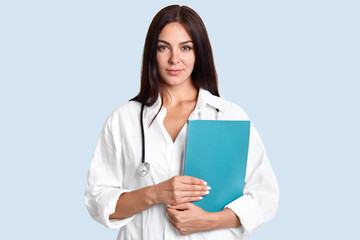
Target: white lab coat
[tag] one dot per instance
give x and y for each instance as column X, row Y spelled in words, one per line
column 118, row 155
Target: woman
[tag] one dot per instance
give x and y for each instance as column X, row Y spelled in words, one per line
column 178, row 82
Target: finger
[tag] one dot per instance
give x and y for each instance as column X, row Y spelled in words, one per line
column 174, row 214
column 170, row 211
column 191, row 187
column 181, row 206
column 184, row 197
column 190, row 199
column 186, row 194
column 192, row 180
column 172, row 221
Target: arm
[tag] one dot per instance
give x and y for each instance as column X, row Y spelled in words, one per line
column 257, row 205
column 192, row 219
column 104, row 181
column 261, row 193
column 177, row 190
column 106, row 198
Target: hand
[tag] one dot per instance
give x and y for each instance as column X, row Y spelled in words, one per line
column 188, row 218
column 179, row 189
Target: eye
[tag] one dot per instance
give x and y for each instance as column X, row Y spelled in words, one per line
column 162, row 48
column 186, row 48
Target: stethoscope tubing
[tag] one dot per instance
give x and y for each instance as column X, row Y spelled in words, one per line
column 142, row 133
column 144, row 167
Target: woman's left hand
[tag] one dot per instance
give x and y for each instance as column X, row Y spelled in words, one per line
column 188, row 218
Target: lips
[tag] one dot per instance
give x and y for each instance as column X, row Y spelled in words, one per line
column 173, row 72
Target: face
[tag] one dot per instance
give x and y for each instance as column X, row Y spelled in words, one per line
column 175, row 56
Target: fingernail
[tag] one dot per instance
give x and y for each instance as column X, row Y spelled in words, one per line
column 200, row 198
column 207, row 192
column 208, row 187
column 205, row 183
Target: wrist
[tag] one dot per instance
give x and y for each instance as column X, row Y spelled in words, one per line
column 213, row 220
column 224, row 219
column 150, row 196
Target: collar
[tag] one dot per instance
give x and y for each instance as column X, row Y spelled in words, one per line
column 153, row 109
column 204, row 98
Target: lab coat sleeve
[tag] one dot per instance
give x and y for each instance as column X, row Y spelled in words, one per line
column 105, row 177
column 261, row 193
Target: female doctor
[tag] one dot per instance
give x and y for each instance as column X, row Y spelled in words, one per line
column 140, row 192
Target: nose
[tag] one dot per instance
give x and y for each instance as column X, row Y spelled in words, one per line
column 174, row 58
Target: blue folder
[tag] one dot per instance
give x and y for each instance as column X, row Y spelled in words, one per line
column 217, row 151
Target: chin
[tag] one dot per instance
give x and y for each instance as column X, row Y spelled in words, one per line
column 175, row 83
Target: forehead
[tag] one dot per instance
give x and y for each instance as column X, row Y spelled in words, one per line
column 174, row 32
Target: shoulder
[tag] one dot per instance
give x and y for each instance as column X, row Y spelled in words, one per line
column 125, row 114
column 230, row 110
column 130, row 107
column 233, row 110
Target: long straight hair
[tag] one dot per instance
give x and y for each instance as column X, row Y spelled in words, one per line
column 204, row 72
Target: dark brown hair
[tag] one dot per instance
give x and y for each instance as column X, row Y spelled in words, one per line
column 204, row 73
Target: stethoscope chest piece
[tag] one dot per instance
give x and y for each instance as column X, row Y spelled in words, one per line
column 143, row 169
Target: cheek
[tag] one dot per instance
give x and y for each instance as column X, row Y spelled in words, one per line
column 161, row 60
column 190, row 59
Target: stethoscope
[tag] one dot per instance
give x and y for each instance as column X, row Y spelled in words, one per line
column 144, row 167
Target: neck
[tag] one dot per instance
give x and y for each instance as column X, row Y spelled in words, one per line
column 178, row 94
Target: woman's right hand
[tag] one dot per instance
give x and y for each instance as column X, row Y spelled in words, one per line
column 179, row 189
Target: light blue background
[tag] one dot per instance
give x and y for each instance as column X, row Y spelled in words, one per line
column 293, row 66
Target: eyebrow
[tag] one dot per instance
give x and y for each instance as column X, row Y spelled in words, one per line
column 185, row 42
